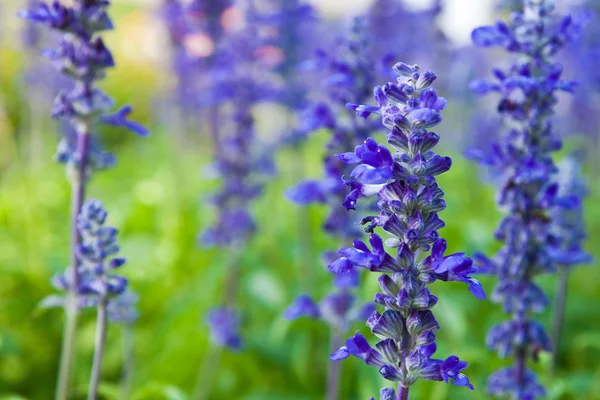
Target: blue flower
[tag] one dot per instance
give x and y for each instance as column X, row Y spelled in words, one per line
column 119, row 118
column 83, row 57
column 535, row 237
column 409, row 202
column 224, row 327
column 338, row 309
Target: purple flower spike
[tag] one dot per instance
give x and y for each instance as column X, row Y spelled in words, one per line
column 82, row 57
column 537, row 232
column 409, row 202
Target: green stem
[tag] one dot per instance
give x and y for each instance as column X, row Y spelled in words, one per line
column 98, row 349
column 128, row 361
column 71, row 310
column 210, row 365
column 207, row 373
column 67, row 349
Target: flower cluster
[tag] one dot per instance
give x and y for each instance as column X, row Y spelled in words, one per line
column 96, row 255
column 339, row 308
column 350, row 78
column 569, row 224
column 409, row 202
column 83, row 57
column 289, row 28
column 241, row 162
column 385, row 17
column 195, row 30
column 528, row 192
column 224, row 324
column 287, row 32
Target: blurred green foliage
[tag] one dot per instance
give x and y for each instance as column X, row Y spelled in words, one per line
column 155, row 196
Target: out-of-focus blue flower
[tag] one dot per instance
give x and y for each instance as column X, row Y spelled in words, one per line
column 82, row 57
column 241, row 162
column 97, row 267
column 123, row 308
column 409, row 202
column 224, row 324
column 350, row 78
column 386, row 394
column 391, row 19
column 196, row 30
column 535, row 241
column 569, row 227
column 339, row 308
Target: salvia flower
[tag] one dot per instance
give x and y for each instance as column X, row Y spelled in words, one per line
column 224, row 327
column 195, row 31
column 409, row 202
column 569, row 226
column 528, row 192
column 97, row 268
column 350, row 78
column 339, row 309
column 386, row 394
column 97, row 255
column 82, row 57
column 287, row 32
column 123, row 308
column 242, row 163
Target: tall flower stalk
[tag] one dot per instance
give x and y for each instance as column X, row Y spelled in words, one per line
column 241, row 163
column 349, row 77
column 528, row 193
column 570, row 226
column 82, row 57
column 409, row 203
column 287, row 29
column 100, row 287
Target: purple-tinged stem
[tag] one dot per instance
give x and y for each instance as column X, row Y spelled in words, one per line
column 559, row 315
column 71, row 308
column 101, row 320
column 333, row 375
column 520, row 365
column 402, row 393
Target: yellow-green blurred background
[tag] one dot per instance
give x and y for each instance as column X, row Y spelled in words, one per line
column 155, row 197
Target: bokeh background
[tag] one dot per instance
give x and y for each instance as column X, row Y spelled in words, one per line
column 155, row 197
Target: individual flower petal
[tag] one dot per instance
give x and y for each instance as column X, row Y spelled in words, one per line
column 119, row 118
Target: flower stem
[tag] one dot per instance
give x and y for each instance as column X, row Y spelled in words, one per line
column 333, row 375
column 210, row 365
column 207, row 373
column 128, row 361
column 521, row 361
column 67, row 349
column 98, row 349
column 559, row 315
column 402, row 393
column 71, row 309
